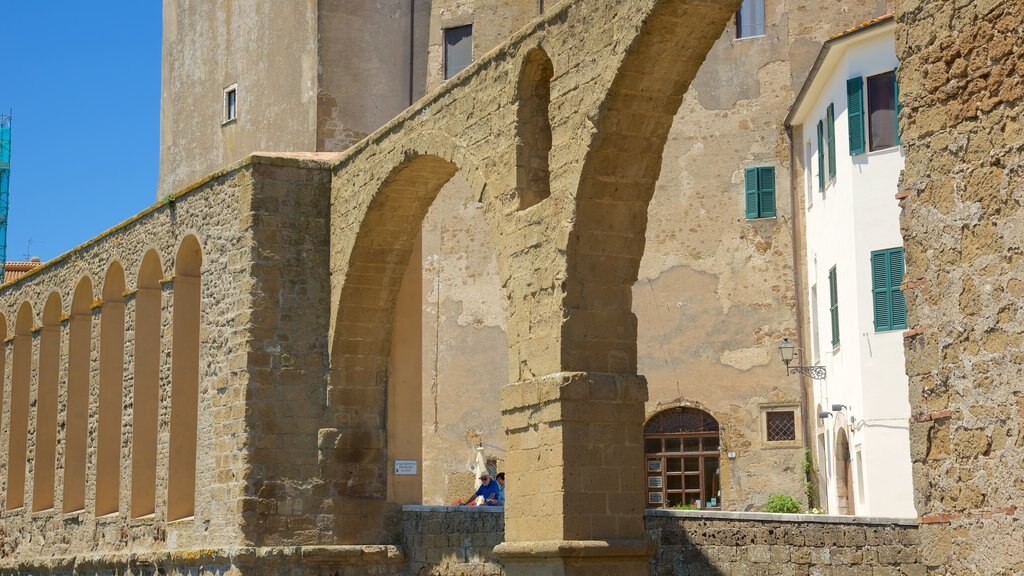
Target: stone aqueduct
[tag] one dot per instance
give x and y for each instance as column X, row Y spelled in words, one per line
column 250, row 319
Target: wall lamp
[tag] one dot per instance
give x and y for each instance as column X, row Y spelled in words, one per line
column 788, row 351
column 839, row 407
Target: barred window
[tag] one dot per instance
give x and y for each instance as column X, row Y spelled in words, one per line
column 781, row 426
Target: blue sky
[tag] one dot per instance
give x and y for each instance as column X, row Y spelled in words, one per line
column 83, row 80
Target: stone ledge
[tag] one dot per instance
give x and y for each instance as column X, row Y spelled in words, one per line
column 472, row 509
column 788, row 518
column 574, row 549
column 379, row 554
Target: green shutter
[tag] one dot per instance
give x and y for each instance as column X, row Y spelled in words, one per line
column 833, row 297
column 880, row 289
column 831, row 115
column 886, row 277
column 899, row 304
column 750, row 182
column 855, row 114
column 766, row 191
column 821, row 156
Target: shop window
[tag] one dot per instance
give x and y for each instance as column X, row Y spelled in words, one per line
column 682, row 459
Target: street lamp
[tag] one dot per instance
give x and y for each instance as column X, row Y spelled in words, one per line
column 788, row 351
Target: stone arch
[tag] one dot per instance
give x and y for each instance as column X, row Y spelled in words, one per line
column 618, row 180
column 108, row 437
column 181, row 481
column 365, row 313
column 533, row 128
column 45, row 462
column 76, row 427
column 146, row 387
column 21, row 373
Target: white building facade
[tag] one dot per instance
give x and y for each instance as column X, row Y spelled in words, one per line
column 845, row 131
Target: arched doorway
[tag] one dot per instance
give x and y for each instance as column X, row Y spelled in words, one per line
column 844, row 474
column 681, row 448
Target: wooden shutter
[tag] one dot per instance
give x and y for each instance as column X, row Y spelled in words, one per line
column 766, row 191
column 821, row 156
column 750, row 187
column 880, row 290
column 855, row 114
column 898, row 308
column 833, row 296
column 831, row 116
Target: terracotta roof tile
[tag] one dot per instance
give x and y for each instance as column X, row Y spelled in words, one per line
column 15, row 270
column 863, row 25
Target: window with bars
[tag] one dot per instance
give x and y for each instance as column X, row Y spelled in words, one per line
column 780, row 426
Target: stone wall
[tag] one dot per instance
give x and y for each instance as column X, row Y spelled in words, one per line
column 961, row 193
column 448, row 541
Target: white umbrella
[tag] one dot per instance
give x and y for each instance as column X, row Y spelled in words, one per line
column 479, row 470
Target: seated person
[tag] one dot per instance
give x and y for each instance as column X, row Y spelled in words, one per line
column 487, row 489
column 501, row 488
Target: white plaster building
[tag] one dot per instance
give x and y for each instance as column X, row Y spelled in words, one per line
column 845, row 136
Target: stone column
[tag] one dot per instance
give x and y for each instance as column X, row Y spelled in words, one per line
column 575, row 503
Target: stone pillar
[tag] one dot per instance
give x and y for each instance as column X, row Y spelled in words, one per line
column 575, row 499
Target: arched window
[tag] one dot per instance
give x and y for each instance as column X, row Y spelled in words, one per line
column 681, row 446
column 46, row 407
column 108, row 442
column 533, row 145
column 21, row 372
column 146, row 392
column 79, row 371
column 181, row 482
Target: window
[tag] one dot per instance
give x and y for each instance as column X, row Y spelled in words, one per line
column 760, row 192
column 809, row 174
column 833, row 303
column 681, row 448
column 780, row 426
column 882, row 112
column 821, row 155
column 230, row 103
column 814, row 323
column 886, row 276
column 458, row 49
column 750, row 19
column 830, row 140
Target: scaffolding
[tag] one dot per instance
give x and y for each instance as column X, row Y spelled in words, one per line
column 5, row 178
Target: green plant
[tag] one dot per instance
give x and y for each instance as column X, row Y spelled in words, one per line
column 684, row 506
column 781, row 503
column 809, row 476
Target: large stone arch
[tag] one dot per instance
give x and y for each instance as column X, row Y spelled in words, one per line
column 618, row 179
column 368, row 268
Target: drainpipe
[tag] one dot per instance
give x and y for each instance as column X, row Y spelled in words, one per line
column 798, row 240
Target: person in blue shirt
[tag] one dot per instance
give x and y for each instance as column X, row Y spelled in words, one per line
column 488, row 489
column 501, row 488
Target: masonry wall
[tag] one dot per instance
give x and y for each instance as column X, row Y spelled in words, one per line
column 961, row 195
column 448, row 541
column 217, row 215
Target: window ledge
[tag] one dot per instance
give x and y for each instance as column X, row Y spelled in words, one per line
column 755, row 37
column 229, row 122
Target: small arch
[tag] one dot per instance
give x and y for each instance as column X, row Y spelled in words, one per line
column 108, row 441
column 45, row 463
column 79, row 372
column 181, row 482
column 533, row 129
column 21, row 372
column 682, row 460
column 844, row 473
column 146, row 390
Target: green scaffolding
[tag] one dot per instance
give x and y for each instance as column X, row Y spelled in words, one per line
column 5, row 178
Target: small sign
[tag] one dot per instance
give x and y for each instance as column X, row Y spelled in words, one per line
column 405, row 467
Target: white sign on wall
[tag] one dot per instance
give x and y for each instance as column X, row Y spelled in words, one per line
column 405, row 467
